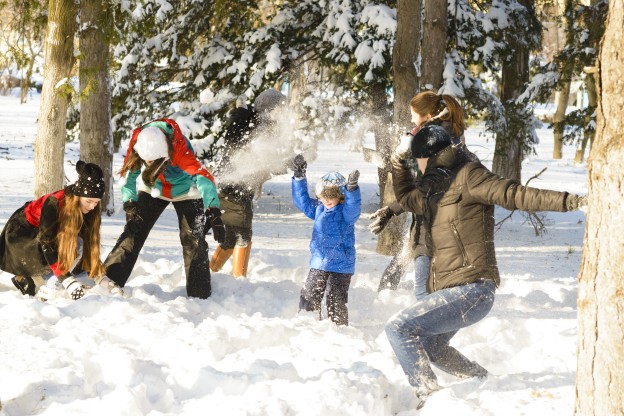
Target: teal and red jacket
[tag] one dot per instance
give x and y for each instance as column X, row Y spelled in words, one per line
column 183, row 173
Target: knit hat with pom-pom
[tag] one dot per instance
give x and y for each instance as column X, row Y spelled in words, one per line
column 90, row 183
column 151, row 144
column 330, row 185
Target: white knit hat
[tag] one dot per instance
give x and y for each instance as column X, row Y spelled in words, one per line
column 151, row 144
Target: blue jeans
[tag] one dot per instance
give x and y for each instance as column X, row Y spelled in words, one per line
column 421, row 273
column 420, row 334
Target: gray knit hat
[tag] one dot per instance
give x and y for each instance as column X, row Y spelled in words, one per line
column 268, row 100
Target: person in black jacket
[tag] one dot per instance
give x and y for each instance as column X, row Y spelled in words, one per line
column 237, row 191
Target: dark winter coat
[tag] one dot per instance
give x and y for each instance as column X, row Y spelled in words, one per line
column 333, row 235
column 237, row 198
column 28, row 244
column 457, row 198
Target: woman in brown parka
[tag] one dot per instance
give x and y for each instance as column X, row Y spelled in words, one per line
column 456, row 196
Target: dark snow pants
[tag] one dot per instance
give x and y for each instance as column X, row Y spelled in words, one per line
column 337, row 285
column 191, row 218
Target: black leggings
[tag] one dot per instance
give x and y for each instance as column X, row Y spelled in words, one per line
column 191, row 219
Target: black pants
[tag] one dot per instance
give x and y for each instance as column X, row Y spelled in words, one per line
column 191, row 219
column 337, row 285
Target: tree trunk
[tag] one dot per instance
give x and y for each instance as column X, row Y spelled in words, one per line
column 55, row 96
column 96, row 136
column 404, row 61
column 509, row 149
column 600, row 370
column 433, row 49
column 589, row 132
column 558, row 119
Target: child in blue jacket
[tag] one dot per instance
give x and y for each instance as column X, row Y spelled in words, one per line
column 333, row 238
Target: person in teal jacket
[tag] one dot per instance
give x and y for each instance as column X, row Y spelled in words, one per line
column 332, row 264
column 160, row 167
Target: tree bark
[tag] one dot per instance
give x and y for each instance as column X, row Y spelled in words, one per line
column 404, row 59
column 509, row 148
column 589, row 132
column 600, row 369
column 558, row 118
column 96, row 136
column 55, row 96
column 404, row 66
column 433, row 51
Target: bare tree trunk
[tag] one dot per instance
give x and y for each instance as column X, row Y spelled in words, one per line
column 558, row 119
column 433, row 49
column 509, row 149
column 96, row 136
column 404, row 61
column 588, row 133
column 55, row 96
column 600, row 370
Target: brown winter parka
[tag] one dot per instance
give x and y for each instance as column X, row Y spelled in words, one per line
column 457, row 196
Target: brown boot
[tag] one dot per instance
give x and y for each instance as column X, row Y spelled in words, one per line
column 219, row 258
column 240, row 260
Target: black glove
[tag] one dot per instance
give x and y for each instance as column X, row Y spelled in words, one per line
column 382, row 216
column 352, row 182
column 299, row 166
column 132, row 211
column 574, row 202
column 214, row 221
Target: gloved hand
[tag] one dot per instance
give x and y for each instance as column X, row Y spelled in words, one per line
column 132, row 211
column 352, row 182
column 110, row 286
column 382, row 216
column 299, row 166
column 214, row 221
column 73, row 287
column 574, row 202
column 404, row 149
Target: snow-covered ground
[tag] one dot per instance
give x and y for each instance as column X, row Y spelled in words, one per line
column 244, row 351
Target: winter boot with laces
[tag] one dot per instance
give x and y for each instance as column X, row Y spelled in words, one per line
column 24, row 284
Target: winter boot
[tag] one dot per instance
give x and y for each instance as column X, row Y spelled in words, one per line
column 240, row 260
column 25, row 284
column 219, row 258
column 53, row 289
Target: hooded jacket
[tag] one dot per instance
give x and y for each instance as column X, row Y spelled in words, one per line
column 333, row 236
column 457, row 196
column 183, row 175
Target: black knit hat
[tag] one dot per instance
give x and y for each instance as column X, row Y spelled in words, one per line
column 90, row 183
column 429, row 141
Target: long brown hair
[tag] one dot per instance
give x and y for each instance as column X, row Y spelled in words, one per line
column 151, row 172
column 74, row 223
column 428, row 102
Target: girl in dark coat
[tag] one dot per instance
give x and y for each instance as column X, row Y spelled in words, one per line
column 427, row 108
column 456, row 197
column 57, row 235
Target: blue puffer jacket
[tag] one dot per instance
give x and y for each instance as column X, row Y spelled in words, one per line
column 333, row 236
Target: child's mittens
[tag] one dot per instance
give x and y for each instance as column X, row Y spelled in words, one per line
column 73, row 287
column 352, row 182
column 299, row 166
